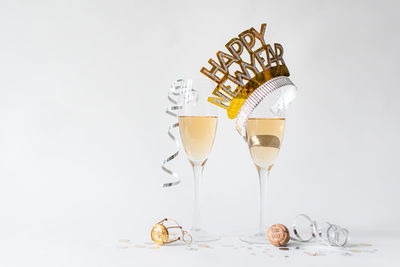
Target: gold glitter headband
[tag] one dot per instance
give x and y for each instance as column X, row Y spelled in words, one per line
column 242, row 84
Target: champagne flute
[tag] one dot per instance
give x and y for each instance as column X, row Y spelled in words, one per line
column 264, row 135
column 198, row 124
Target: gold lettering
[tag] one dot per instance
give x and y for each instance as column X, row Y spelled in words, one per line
column 235, row 52
column 260, row 35
column 279, row 53
column 248, row 45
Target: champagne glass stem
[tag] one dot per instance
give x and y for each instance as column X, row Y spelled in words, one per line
column 263, row 176
column 198, row 173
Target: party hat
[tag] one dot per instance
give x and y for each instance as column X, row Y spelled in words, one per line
column 251, row 71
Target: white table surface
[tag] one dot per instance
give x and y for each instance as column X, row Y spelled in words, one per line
column 378, row 249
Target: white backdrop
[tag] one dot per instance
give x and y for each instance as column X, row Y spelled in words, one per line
column 83, row 89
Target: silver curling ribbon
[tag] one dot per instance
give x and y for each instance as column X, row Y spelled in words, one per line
column 179, row 94
column 330, row 234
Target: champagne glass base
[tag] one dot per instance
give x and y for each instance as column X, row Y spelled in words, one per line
column 258, row 238
column 201, row 236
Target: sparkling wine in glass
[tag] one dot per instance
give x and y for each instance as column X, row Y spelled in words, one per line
column 264, row 137
column 198, row 125
column 197, row 134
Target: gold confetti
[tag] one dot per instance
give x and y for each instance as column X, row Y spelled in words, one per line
column 311, row 253
column 365, row 244
column 203, row 246
column 355, row 250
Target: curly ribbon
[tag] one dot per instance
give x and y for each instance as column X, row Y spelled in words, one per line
column 330, row 234
column 180, row 93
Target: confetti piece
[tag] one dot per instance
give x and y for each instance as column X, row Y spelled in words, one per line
column 156, row 247
column 139, row 246
column 355, row 250
column 311, row 253
column 286, row 256
column 203, row 246
column 347, row 254
column 123, row 243
column 365, row 244
column 370, row 250
column 284, row 248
